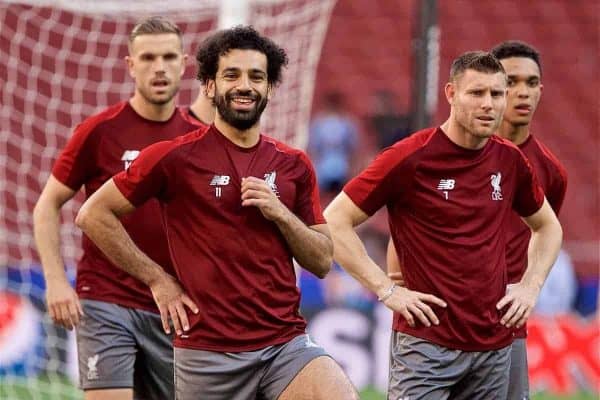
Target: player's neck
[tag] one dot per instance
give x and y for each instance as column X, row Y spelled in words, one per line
column 461, row 137
column 152, row 112
column 516, row 134
column 203, row 109
column 247, row 138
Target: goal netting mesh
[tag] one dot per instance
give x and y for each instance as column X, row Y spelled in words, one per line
column 61, row 61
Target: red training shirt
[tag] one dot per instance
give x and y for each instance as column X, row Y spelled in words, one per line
column 553, row 179
column 100, row 147
column 233, row 262
column 446, row 207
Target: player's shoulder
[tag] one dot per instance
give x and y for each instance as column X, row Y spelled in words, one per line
column 176, row 147
column 506, row 146
column 547, row 155
column 410, row 145
column 93, row 122
column 284, row 150
column 417, row 139
column 190, row 138
column 502, row 142
column 89, row 131
column 184, row 114
column 107, row 114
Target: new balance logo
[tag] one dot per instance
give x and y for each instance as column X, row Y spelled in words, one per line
column 496, row 189
column 445, row 185
column 129, row 156
column 218, row 181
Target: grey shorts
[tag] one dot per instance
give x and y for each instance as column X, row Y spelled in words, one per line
column 518, row 382
column 423, row 370
column 122, row 347
column 263, row 374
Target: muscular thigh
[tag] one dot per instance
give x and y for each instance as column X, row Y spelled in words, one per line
column 302, row 370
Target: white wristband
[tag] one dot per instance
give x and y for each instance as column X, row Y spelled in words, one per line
column 387, row 293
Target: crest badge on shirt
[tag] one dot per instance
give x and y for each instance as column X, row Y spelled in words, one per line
column 270, row 180
column 128, row 157
column 495, row 180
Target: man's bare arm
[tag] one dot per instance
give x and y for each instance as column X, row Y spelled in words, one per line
column 63, row 303
column 99, row 219
column 393, row 264
column 544, row 246
column 342, row 216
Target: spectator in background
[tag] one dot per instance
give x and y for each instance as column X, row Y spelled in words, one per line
column 388, row 124
column 332, row 143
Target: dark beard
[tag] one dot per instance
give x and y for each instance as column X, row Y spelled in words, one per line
column 240, row 120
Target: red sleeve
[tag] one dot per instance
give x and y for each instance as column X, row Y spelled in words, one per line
column 557, row 191
column 146, row 177
column 376, row 186
column 76, row 164
column 308, row 204
column 529, row 196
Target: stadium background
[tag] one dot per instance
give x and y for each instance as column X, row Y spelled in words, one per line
column 60, row 62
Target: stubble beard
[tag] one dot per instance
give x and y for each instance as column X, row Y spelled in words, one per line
column 160, row 101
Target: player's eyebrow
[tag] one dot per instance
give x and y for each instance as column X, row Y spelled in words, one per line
column 526, row 77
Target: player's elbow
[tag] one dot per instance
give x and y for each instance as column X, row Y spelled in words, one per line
column 559, row 230
column 38, row 212
column 324, row 267
column 85, row 217
column 44, row 209
column 82, row 218
column 337, row 221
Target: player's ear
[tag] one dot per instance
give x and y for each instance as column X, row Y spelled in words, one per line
column 210, row 88
column 450, row 91
column 270, row 91
column 184, row 64
column 129, row 62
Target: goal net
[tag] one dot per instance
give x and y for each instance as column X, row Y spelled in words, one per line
column 62, row 61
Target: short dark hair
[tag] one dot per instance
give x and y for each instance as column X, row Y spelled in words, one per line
column 516, row 48
column 480, row 61
column 241, row 38
column 153, row 26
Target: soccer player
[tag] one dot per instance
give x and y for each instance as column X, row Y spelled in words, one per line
column 447, row 190
column 237, row 206
column 524, row 71
column 118, row 324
